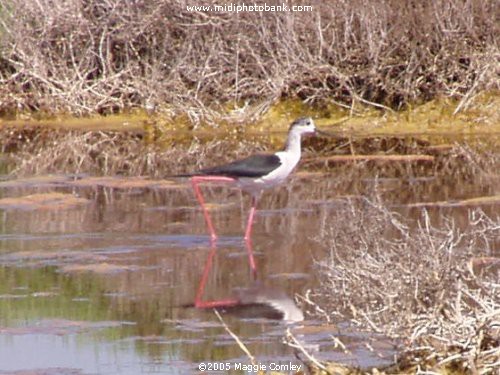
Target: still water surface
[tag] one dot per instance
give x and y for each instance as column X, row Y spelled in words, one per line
column 106, row 284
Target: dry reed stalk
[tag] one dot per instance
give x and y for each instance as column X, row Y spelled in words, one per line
column 240, row 343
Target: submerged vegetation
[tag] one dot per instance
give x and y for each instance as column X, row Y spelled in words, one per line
column 85, row 57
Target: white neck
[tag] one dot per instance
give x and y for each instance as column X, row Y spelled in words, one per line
column 293, row 143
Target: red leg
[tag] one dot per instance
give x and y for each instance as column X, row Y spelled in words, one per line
column 251, row 259
column 194, row 181
column 248, row 230
column 198, row 302
column 199, row 196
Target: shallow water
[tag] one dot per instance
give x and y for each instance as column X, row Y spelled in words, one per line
column 107, row 283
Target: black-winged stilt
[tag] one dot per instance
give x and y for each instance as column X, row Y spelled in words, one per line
column 255, row 173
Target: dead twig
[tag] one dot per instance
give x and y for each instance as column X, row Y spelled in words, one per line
column 236, row 338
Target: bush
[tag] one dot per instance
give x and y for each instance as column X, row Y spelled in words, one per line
column 417, row 281
column 85, row 56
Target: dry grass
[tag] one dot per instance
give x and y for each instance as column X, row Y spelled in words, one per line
column 103, row 56
column 413, row 281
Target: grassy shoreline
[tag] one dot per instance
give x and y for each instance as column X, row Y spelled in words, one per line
column 432, row 118
column 138, row 143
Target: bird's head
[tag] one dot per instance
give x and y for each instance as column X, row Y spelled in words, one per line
column 303, row 126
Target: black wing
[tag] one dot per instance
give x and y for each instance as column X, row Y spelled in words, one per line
column 253, row 166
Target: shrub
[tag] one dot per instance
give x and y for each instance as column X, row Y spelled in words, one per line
column 85, row 56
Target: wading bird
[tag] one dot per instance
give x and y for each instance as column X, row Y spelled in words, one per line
column 255, row 173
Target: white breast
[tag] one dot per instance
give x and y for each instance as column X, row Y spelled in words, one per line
column 288, row 162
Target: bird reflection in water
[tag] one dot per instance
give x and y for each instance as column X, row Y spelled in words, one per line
column 257, row 301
